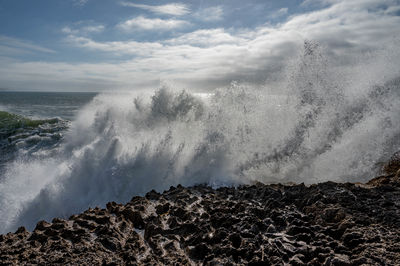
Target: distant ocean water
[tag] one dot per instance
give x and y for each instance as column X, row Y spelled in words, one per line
column 33, row 123
column 62, row 153
column 43, row 105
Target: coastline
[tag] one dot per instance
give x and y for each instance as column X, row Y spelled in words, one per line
column 327, row 223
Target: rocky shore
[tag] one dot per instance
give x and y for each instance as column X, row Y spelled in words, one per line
column 328, row 223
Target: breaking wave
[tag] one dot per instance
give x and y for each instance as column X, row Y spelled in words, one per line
column 318, row 123
column 24, row 137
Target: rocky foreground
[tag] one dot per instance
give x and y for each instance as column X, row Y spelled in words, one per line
column 329, row 223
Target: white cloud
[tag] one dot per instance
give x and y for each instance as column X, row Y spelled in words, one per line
column 392, row 10
column 279, row 13
column 282, row 11
column 93, row 29
column 317, row 3
column 212, row 57
column 207, row 38
column 83, row 30
column 119, row 48
column 214, row 13
column 175, row 9
column 14, row 45
column 143, row 23
column 80, row 2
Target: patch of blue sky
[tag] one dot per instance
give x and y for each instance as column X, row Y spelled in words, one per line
column 157, row 40
column 45, row 22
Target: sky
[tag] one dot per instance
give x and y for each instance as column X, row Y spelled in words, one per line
column 99, row 45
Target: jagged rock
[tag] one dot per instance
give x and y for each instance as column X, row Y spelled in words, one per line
column 134, row 217
column 153, row 195
column 328, row 224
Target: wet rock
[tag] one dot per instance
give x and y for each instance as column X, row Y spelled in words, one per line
column 20, row 230
column 110, row 243
column 296, row 260
column 162, row 209
column 271, row 229
column 41, row 226
column 328, row 223
column 353, row 239
column 339, row 260
column 134, row 217
column 236, row 240
column 153, row 195
column 296, row 230
column 179, row 212
column 39, row 237
column 333, row 215
column 199, row 252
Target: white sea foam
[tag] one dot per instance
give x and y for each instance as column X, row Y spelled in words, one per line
column 325, row 124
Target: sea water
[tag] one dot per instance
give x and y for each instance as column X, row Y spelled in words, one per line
column 317, row 122
column 43, row 105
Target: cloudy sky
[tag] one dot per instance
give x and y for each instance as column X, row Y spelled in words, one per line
column 94, row 45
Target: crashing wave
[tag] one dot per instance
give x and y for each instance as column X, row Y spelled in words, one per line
column 323, row 124
column 23, row 136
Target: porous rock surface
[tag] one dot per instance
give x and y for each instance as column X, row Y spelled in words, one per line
column 328, row 223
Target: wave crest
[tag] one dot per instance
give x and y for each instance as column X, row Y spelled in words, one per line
column 325, row 124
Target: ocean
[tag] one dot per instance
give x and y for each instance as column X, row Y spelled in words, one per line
column 42, row 105
column 64, row 152
column 34, row 122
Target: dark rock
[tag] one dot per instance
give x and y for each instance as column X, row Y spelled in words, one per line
column 134, row 217
column 339, row 260
column 296, row 230
column 199, row 252
column 39, row 237
column 20, row 230
column 110, row 243
column 41, row 226
column 179, row 212
column 162, row 209
column 353, row 239
column 296, row 260
column 236, row 240
column 327, row 223
column 153, row 195
column 271, row 229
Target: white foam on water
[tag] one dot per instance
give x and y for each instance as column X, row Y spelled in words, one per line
column 326, row 123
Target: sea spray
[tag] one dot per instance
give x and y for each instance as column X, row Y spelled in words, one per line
column 320, row 123
column 25, row 138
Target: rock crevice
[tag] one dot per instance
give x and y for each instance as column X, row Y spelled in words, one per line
column 328, row 223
